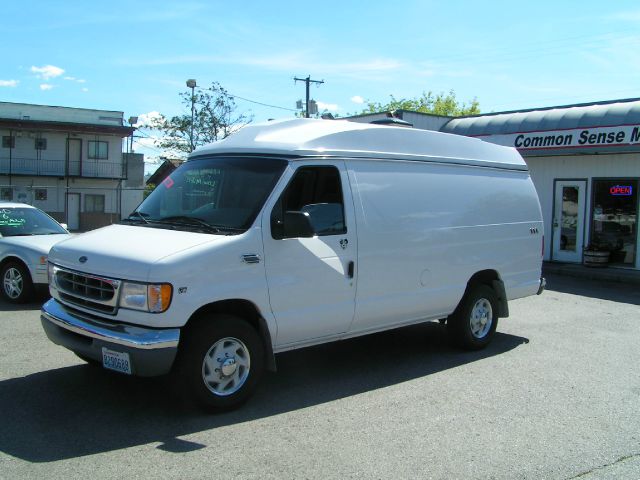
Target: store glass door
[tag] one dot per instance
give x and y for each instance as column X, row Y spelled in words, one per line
column 568, row 220
column 614, row 224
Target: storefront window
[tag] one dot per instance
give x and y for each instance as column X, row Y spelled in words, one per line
column 614, row 222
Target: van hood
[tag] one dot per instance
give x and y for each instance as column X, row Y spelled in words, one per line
column 124, row 251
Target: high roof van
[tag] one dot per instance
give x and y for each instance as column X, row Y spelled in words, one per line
column 296, row 233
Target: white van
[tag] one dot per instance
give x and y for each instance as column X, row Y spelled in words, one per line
column 296, row 233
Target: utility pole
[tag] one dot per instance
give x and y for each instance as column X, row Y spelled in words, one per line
column 307, row 81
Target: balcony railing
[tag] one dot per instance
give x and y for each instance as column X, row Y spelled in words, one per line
column 61, row 168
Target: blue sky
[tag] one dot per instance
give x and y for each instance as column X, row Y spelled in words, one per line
column 135, row 56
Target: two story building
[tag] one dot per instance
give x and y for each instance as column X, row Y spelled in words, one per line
column 69, row 162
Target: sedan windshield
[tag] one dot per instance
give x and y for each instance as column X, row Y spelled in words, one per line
column 22, row 221
column 211, row 195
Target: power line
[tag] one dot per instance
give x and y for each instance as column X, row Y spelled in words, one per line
column 142, row 145
column 140, row 134
column 260, row 103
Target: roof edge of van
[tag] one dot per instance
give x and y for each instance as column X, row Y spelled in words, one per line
column 342, row 138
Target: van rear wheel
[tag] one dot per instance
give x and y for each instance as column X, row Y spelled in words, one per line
column 473, row 324
column 220, row 361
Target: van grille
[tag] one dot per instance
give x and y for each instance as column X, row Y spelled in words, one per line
column 88, row 291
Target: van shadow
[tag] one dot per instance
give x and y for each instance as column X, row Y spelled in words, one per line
column 40, row 297
column 83, row 410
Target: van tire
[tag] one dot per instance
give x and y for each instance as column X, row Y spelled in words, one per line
column 220, row 362
column 473, row 323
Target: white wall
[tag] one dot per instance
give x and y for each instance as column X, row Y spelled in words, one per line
column 425, row 122
column 544, row 170
column 418, row 120
column 131, row 198
column 56, row 189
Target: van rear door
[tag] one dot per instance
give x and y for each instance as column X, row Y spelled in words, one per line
column 311, row 272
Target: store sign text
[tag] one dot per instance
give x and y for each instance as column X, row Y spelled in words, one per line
column 575, row 138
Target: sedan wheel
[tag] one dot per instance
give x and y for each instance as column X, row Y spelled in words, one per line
column 16, row 283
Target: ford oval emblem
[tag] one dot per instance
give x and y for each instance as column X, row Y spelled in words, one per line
column 83, row 259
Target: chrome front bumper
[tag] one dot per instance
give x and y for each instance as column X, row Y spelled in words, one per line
column 152, row 351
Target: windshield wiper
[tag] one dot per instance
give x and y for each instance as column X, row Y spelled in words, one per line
column 228, row 229
column 136, row 215
column 186, row 221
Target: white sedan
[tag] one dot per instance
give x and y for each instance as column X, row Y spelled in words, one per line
column 26, row 236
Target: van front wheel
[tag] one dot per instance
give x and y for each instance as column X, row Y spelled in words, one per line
column 473, row 324
column 221, row 361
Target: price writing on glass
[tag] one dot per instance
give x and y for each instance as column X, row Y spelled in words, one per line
column 7, row 220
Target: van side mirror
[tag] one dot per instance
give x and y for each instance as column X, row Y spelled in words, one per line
column 293, row 225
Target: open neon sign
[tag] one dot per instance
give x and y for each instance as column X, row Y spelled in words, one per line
column 621, row 190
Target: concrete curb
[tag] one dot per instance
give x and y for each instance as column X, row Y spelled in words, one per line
column 607, row 274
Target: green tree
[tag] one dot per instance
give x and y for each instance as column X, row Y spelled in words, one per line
column 428, row 102
column 215, row 118
column 148, row 188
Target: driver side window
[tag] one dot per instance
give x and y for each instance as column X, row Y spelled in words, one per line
column 316, row 192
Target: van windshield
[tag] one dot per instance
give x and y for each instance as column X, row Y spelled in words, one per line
column 211, row 194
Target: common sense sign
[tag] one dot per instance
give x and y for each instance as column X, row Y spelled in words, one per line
column 574, row 138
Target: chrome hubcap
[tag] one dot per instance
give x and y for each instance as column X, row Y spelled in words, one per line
column 481, row 318
column 229, row 367
column 13, row 283
column 226, row 366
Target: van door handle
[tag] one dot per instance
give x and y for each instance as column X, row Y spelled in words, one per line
column 251, row 258
column 350, row 269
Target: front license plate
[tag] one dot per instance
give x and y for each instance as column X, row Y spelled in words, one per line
column 118, row 361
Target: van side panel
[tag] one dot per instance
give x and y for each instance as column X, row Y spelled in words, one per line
column 425, row 228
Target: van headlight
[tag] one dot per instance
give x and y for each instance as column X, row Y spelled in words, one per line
column 154, row 298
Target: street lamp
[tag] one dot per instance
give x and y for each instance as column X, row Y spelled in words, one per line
column 191, row 83
column 132, row 121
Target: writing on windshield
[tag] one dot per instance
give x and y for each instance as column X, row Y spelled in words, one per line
column 27, row 221
column 11, row 218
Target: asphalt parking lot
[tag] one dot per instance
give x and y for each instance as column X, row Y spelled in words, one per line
column 556, row 395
